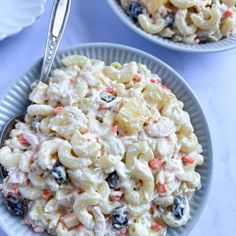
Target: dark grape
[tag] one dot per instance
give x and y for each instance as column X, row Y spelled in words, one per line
column 178, row 207
column 120, row 218
column 113, row 180
column 59, row 173
column 16, row 205
column 107, row 97
column 203, row 39
column 3, row 171
column 169, row 19
column 135, row 9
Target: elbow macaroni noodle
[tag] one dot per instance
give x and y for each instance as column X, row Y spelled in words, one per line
column 92, row 122
column 149, row 26
column 82, row 202
column 181, row 23
column 187, row 21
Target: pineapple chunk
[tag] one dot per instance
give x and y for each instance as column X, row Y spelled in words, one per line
column 76, row 60
column 156, row 95
column 133, row 115
column 152, row 6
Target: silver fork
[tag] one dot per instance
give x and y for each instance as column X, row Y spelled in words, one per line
column 58, row 20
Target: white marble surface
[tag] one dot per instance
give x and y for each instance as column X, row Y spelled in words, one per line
column 212, row 77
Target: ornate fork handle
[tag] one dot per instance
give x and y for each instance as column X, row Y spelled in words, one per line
column 57, row 25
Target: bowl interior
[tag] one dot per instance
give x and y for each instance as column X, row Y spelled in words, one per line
column 221, row 45
column 15, row 100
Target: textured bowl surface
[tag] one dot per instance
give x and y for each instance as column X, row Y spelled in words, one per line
column 221, row 45
column 15, row 101
column 15, row 15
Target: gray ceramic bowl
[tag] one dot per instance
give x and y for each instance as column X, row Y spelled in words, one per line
column 15, row 100
column 221, row 45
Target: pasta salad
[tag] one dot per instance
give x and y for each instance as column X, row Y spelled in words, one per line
column 103, row 151
column 187, row 21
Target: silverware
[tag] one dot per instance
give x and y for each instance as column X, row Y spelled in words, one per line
column 58, row 20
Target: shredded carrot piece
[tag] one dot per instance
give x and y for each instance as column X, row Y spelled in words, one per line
column 114, row 129
column 229, row 12
column 58, row 109
column 155, row 226
column 188, row 159
column 137, row 78
column 47, row 194
column 79, row 226
column 111, row 90
column 22, row 140
column 153, row 81
column 161, row 188
column 155, row 164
